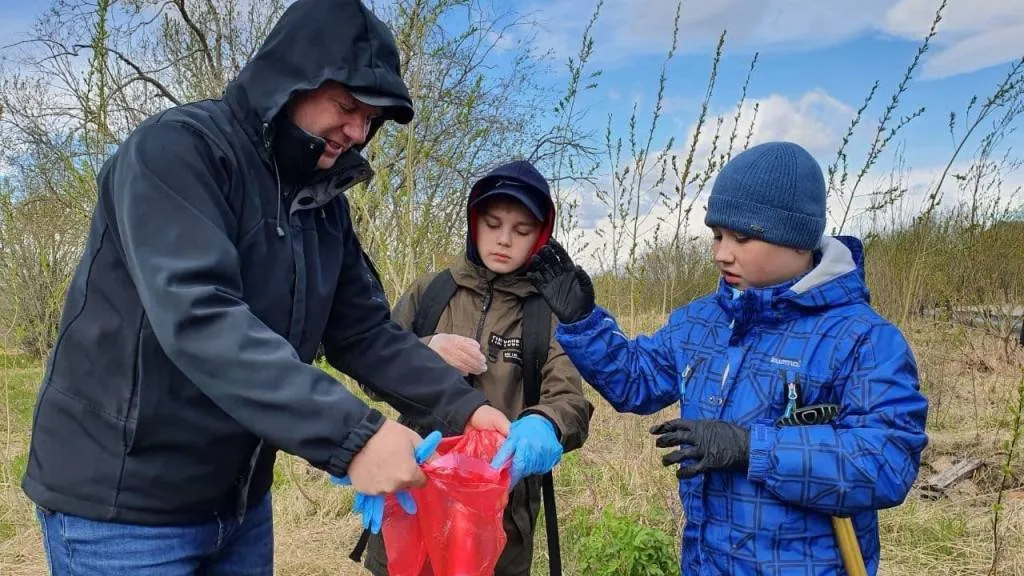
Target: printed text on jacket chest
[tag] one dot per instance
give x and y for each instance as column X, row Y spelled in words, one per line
column 508, row 349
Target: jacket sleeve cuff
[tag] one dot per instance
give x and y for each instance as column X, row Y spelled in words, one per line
column 584, row 325
column 354, row 442
column 547, row 414
column 762, row 444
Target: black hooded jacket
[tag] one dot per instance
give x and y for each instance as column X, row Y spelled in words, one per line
column 215, row 266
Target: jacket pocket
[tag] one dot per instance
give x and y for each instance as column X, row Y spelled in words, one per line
column 131, row 424
column 686, row 377
column 804, row 542
column 800, row 389
column 148, row 389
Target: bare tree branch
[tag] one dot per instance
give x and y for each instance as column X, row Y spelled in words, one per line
column 197, row 32
column 144, row 76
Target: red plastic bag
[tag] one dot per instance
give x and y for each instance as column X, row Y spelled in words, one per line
column 457, row 530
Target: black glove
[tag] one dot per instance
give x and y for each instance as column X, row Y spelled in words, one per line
column 564, row 285
column 715, row 444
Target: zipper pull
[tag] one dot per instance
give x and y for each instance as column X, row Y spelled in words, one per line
column 684, row 379
column 487, row 300
column 792, row 395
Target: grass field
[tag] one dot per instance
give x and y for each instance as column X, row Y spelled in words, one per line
column 614, row 489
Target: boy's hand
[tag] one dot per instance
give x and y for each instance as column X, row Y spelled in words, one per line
column 565, row 286
column 489, row 418
column 532, row 445
column 459, row 352
column 715, row 444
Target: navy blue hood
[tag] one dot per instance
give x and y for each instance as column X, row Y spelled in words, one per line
column 519, row 172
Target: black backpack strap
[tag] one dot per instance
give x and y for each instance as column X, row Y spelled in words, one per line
column 536, row 341
column 433, row 302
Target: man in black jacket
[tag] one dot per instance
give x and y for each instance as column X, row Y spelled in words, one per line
column 221, row 255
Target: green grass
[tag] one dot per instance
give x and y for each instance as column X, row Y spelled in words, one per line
column 18, row 388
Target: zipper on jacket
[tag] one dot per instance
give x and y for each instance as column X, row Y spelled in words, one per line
column 480, row 325
column 483, row 311
column 684, row 380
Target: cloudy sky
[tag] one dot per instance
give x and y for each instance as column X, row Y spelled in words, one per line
column 817, row 62
column 818, row 59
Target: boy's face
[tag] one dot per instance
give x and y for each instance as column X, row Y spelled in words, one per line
column 505, row 234
column 750, row 263
column 332, row 113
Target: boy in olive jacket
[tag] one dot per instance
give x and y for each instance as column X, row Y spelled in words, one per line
column 480, row 332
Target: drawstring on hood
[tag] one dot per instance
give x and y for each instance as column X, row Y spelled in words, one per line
column 277, row 219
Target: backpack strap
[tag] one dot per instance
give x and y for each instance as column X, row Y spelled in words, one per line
column 536, row 341
column 433, row 302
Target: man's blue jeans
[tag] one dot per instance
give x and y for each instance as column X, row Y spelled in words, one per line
column 77, row 546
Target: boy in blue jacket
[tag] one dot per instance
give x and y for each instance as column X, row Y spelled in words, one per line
column 798, row 401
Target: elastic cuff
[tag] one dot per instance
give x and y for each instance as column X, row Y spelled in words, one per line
column 354, row 442
column 583, row 325
column 762, row 444
column 540, row 412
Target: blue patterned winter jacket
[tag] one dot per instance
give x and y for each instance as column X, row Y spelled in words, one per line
column 731, row 359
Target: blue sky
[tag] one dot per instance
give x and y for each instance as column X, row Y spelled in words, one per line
column 817, row 61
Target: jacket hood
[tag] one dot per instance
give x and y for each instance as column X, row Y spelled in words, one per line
column 518, row 171
column 836, row 279
column 315, row 41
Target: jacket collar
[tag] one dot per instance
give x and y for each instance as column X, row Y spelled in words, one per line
column 837, row 278
column 480, row 278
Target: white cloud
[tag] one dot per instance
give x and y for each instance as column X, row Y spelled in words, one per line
column 918, row 185
column 971, row 35
column 816, row 121
column 977, row 51
column 628, row 28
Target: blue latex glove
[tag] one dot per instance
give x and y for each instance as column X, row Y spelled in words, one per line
column 532, row 445
column 372, row 507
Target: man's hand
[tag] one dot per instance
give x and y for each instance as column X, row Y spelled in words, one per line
column 371, row 507
column 460, row 352
column 715, row 444
column 387, row 463
column 565, row 286
column 489, row 418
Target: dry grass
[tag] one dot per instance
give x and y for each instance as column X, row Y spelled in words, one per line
column 968, row 376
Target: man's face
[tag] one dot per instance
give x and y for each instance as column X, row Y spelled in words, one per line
column 747, row 262
column 505, row 234
column 332, row 113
